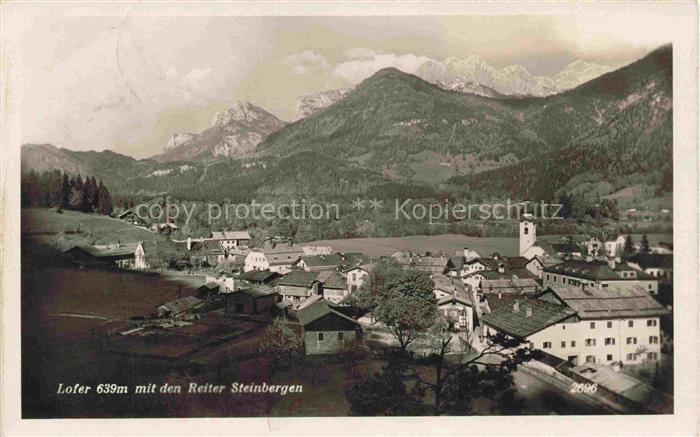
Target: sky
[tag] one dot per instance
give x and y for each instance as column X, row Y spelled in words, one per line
column 126, row 82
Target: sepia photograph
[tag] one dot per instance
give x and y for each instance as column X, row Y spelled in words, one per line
column 310, row 214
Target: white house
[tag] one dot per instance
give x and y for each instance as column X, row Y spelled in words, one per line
column 232, row 239
column 356, row 276
column 274, row 257
column 595, row 272
column 592, row 325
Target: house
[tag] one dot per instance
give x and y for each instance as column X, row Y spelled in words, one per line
column 317, row 263
column 164, row 228
column 567, row 250
column 333, row 286
column 592, row 324
column 275, row 257
column 325, row 330
column 297, row 286
column 594, row 247
column 456, row 263
column 201, row 252
column 656, row 265
column 231, row 239
column 179, row 308
column 207, row 290
column 124, row 256
column 614, row 247
column 458, row 310
column 253, row 299
column 264, row 277
column 663, row 248
column 597, row 272
column 356, row 276
column 129, row 216
column 495, row 267
column 432, row 265
column 317, row 250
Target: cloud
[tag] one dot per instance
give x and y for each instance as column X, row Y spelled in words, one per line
column 356, row 70
column 360, row 53
column 305, row 62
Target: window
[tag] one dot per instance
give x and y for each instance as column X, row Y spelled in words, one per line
column 630, row 357
column 609, row 357
column 320, row 336
column 653, row 340
column 340, row 336
column 590, row 358
column 573, row 343
column 548, row 276
column 652, row 356
column 631, row 340
column 563, row 344
column 526, row 230
column 609, row 341
column 630, row 323
column 651, row 322
column 592, row 325
column 590, row 342
column 609, row 324
column 547, row 345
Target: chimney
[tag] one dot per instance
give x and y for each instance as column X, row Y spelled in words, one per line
column 528, row 311
column 189, row 243
column 516, row 306
column 499, row 295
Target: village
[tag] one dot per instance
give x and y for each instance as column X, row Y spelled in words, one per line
column 598, row 311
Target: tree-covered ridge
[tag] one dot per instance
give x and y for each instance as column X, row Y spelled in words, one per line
column 56, row 189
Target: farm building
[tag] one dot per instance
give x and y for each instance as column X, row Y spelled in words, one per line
column 265, row 277
column 297, row 286
column 325, row 329
column 334, row 287
column 126, row 256
column 179, row 307
column 256, row 299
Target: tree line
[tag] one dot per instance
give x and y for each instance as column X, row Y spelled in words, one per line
column 56, row 189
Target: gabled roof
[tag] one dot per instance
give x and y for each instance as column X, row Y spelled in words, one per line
column 183, row 304
column 460, row 297
column 256, row 290
column 508, row 285
column 614, row 301
column 260, row 276
column 567, row 248
column 108, row 251
column 331, row 279
column 317, row 310
column 298, row 279
column 230, row 235
column 594, row 270
column 517, row 324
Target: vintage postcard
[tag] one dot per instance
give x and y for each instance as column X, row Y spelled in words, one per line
column 436, row 214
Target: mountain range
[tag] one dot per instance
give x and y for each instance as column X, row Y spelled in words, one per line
column 398, row 132
column 234, row 133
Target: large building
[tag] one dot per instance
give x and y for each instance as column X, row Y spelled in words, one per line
column 591, row 324
column 277, row 257
column 596, row 272
column 232, row 239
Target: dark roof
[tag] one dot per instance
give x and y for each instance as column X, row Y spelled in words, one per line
column 456, row 262
column 331, row 279
column 256, row 290
column 108, row 251
column 210, row 286
column 595, row 270
column 183, row 304
column 567, row 248
column 652, row 260
column 317, row 310
column 423, row 263
column 337, row 259
column 614, row 301
column 260, row 276
column 517, row 324
column 298, row 279
column 460, row 297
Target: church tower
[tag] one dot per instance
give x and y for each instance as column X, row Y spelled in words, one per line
column 528, row 235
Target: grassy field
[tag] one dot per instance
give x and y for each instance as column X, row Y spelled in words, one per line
column 69, row 228
column 447, row 244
